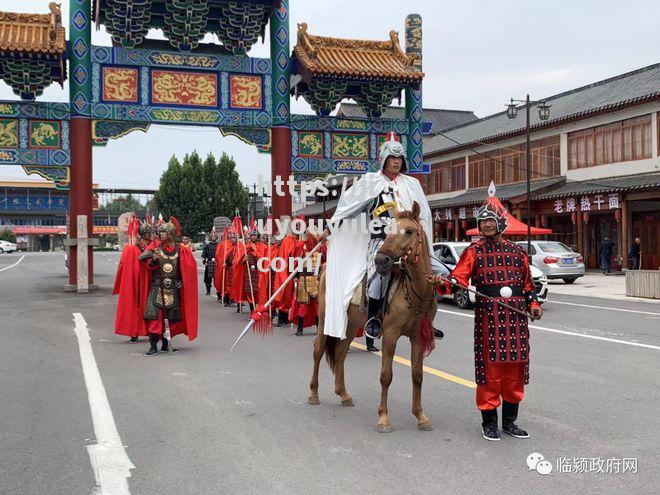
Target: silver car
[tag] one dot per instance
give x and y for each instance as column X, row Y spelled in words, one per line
column 450, row 252
column 556, row 260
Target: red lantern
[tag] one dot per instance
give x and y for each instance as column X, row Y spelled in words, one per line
column 574, row 217
column 617, row 216
column 585, row 217
column 464, row 224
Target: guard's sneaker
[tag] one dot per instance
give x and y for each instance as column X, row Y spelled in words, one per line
column 439, row 334
column 132, row 340
column 514, row 430
column 372, row 348
column 491, row 432
column 152, row 351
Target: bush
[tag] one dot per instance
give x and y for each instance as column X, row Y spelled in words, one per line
column 7, row 235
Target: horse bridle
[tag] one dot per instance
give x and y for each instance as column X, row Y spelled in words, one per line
column 405, row 268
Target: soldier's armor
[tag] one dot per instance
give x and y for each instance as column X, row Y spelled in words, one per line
column 208, row 254
column 141, row 245
column 500, row 335
column 165, row 285
column 308, row 283
column 251, row 280
column 382, row 210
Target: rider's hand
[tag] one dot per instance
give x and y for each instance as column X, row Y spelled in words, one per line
column 434, row 279
column 324, row 235
column 536, row 312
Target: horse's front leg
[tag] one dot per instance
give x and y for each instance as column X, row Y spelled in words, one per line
column 389, row 348
column 319, row 349
column 341, row 350
column 417, row 369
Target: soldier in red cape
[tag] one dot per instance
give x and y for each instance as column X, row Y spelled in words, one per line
column 284, row 299
column 245, row 277
column 305, row 307
column 266, row 273
column 172, row 302
column 498, row 269
column 224, row 255
column 132, row 284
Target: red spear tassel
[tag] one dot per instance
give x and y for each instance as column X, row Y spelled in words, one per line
column 263, row 325
column 426, row 336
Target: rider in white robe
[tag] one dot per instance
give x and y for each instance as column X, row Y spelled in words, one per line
column 352, row 247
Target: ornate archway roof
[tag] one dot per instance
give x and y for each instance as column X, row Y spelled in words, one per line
column 33, row 48
column 354, row 59
column 238, row 24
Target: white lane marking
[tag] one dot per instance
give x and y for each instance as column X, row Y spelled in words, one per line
column 12, row 266
column 109, row 460
column 605, row 307
column 564, row 332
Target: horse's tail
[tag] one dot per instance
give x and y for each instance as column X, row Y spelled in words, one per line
column 426, row 336
column 330, row 346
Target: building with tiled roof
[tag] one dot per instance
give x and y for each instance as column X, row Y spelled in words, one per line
column 594, row 166
column 32, row 45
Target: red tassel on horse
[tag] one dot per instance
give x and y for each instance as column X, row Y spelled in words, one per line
column 426, row 336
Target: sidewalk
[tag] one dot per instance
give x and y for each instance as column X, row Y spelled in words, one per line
column 595, row 284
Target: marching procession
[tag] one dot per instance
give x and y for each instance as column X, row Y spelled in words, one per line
column 380, row 283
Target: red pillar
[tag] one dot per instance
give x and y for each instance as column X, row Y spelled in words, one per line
column 80, row 194
column 280, row 166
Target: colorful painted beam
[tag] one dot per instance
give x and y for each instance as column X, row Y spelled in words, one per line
column 153, row 86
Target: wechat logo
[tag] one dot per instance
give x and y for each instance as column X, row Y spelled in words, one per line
column 538, row 463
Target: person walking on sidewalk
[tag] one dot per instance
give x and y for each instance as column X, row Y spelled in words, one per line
column 634, row 254
column 606, row 255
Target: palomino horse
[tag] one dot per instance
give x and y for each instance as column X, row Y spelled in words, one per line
column 411, row 307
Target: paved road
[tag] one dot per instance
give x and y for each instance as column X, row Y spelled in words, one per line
column 207, row 421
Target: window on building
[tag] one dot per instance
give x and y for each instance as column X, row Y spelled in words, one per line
column 447, row 176
column 621, row 141
column 507, row 165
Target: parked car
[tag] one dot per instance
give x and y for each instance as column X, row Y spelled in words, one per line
column 449, row 253
column 556, row 260
column 7, row 247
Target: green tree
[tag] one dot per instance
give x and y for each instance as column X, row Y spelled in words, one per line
column 195, row 192
column 7, row 235
column 122, row 204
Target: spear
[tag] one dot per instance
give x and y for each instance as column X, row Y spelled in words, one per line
column 256, row 315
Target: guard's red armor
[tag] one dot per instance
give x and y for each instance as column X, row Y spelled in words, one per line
column 501, row 336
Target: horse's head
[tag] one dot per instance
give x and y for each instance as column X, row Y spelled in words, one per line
column 404, row 245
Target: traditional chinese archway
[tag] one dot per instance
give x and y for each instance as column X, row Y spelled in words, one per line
column 137, row 81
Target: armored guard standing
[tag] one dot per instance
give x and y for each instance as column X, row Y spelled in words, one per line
column 305, row 308
column 208, row 258
column 499, row 269
column 171, row 307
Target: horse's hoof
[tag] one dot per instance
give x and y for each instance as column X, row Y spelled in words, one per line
column 428, row 426
column 347, row 403
column 313, row 401
column 384, row 428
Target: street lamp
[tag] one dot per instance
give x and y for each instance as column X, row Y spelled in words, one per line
column 544, row 114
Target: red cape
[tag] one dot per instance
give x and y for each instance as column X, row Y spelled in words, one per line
column 132, row 284
column 238, row 291
column 284, row 299
column 221, row 253
column 308, row 311
column 189, row 296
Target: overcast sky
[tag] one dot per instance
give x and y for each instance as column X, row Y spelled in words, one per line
column 477, row 54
